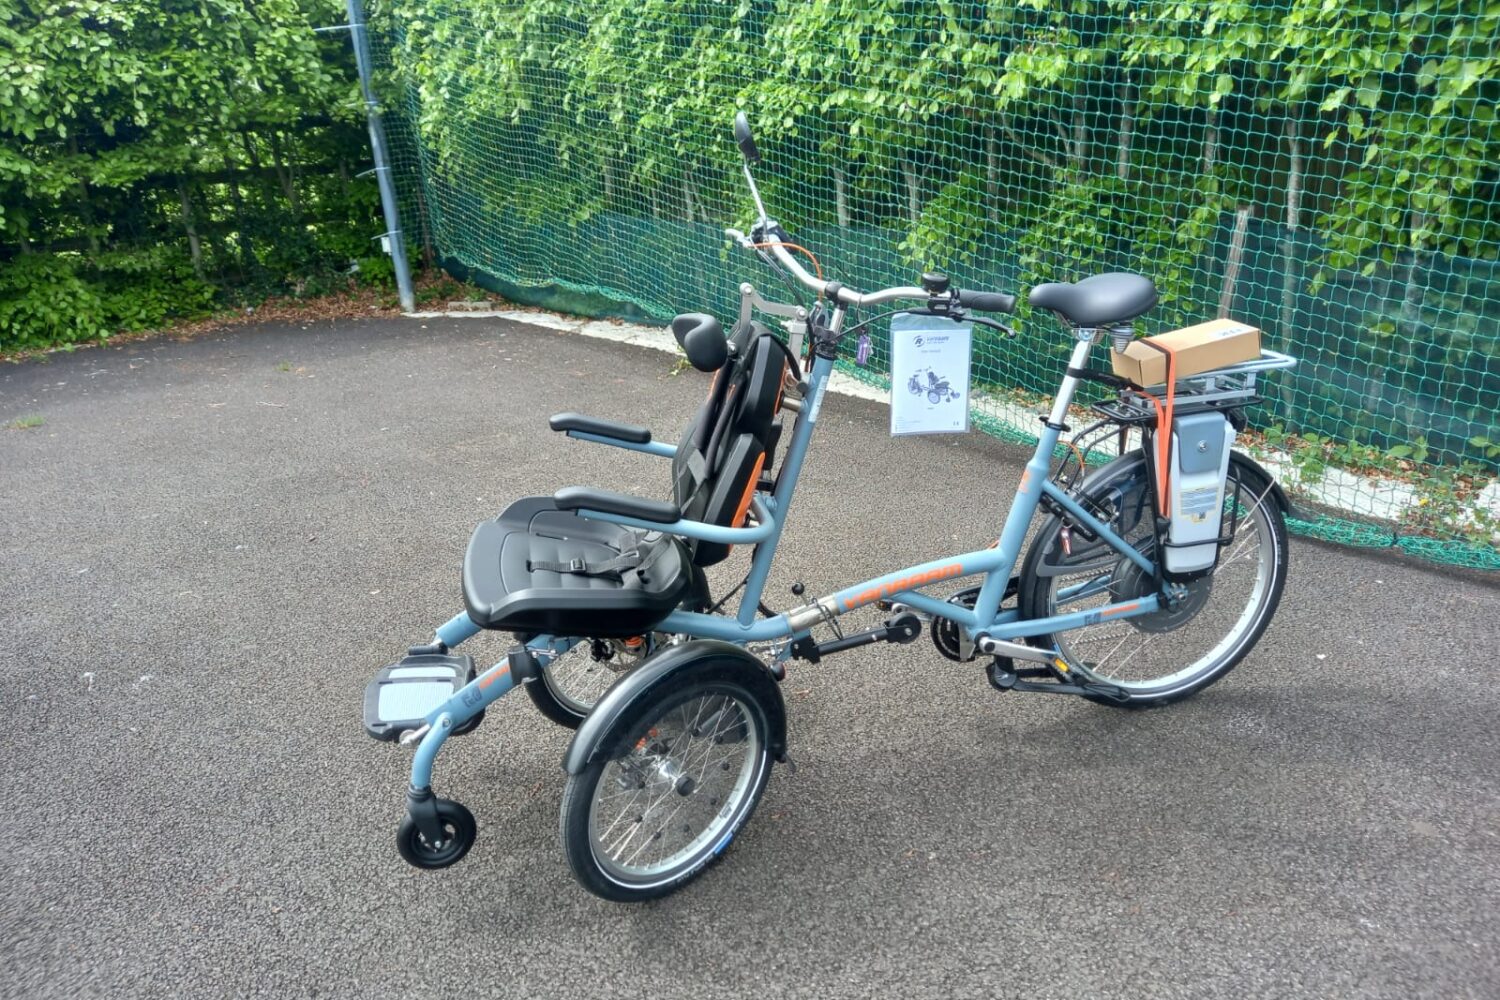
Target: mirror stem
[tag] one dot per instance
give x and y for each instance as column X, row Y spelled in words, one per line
column 755, row 192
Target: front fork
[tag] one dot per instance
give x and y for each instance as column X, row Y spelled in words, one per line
column 522, row 664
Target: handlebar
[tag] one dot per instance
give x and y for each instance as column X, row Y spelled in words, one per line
column 990, row 302
column 833, row 289
column 768, row 235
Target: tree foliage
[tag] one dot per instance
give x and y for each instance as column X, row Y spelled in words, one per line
column 1399, row 101
column 171, row 147
column 1351, row 145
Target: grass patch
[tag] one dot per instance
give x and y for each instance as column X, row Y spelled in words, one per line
column 25, row 423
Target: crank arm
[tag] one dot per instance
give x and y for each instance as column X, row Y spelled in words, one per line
column 1014, row 650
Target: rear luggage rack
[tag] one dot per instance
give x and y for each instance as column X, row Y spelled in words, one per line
column 1222, row 388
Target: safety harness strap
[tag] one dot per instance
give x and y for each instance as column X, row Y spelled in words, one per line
column 608, row 569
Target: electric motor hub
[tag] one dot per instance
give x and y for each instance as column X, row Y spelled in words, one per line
column 1128, row 581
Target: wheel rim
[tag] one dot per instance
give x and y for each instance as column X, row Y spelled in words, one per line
column 1157, row 655
column 578, row 681
column 677, row 796
column 449, row 849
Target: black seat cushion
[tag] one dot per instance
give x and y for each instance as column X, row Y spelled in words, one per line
column 1101, row 300
column 766, row 371
column 502, row 591
column 728, row 499
column 722, row 453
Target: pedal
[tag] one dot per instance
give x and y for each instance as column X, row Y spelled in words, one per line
column 1004, row 675
column 400, row 695
column 1001, row 674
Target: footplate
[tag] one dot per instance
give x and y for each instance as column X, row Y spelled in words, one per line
column 401, row 695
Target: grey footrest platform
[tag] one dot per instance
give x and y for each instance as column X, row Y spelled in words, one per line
column 400, row 695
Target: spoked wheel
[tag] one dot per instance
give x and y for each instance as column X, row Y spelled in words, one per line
column 458, row 836
column 933, row 396
column 644, row 822
column 574, row 681
column 1162, row 657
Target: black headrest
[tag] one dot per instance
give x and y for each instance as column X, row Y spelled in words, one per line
column 702, row 340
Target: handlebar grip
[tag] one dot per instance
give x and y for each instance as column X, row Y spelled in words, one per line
column 988, row 301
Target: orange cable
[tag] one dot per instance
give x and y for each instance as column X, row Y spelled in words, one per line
column 1082, row 465
column 817, row 268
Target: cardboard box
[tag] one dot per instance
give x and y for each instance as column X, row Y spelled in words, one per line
column 1204, row 347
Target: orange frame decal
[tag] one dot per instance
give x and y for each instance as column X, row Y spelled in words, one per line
column 899, row 584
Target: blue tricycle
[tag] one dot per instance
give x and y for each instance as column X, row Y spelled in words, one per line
column 1147, row 579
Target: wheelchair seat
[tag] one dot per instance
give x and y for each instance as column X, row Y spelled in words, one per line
column 540, row 568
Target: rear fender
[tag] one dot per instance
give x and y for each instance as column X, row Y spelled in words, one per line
column 1277, row 494
column 623, row 705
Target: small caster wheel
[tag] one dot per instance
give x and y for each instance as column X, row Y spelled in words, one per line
column 470, row 726
column 459, row 830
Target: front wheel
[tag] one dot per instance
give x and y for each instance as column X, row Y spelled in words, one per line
column 684, row 778
column 458, row 828
column 1168, row 655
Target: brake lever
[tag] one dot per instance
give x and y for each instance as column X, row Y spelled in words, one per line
column 949, row 309
column 994, row 323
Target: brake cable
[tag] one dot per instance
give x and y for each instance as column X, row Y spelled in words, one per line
column 956, row 315
column 797, row 291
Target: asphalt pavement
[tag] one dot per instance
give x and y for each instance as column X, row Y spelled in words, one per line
column 210, row 546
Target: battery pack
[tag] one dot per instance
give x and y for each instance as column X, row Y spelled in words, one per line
column 1201, row 444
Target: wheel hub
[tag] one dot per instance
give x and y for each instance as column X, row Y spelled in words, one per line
column 1130, row 581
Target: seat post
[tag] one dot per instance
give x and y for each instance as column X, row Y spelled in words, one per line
column 1078, row 361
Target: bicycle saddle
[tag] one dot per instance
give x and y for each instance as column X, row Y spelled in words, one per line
column 1102, row 300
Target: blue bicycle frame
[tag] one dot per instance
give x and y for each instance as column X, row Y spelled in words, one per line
column 984, row 619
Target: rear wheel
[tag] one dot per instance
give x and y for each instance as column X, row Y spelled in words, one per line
column 686, row 777
column 574, row 681
column 1162, row 657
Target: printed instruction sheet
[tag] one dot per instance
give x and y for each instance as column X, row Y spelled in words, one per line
column 930, row 359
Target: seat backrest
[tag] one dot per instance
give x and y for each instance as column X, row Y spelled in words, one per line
column 723, row 450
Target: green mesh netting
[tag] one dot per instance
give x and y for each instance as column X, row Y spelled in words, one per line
column 1327, row 171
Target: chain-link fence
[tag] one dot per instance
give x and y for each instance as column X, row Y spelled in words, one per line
column 1329, row 174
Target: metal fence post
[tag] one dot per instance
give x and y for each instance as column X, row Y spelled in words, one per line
column 397, row 241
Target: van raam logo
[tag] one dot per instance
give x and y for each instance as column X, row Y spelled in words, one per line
column 901, row 583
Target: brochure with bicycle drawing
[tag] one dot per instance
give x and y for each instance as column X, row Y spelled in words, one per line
column 930, row 360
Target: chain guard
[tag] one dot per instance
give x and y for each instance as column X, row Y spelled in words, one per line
column 947, row 634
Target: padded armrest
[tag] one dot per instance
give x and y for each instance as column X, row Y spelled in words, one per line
column 610, row 502
column 603, row 428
